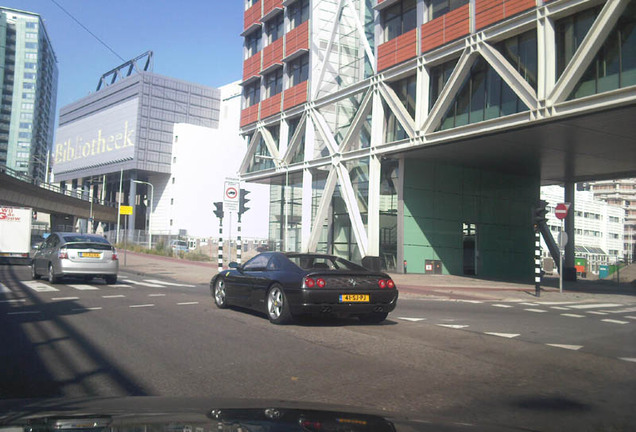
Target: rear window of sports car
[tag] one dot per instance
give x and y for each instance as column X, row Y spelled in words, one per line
column 310, row 262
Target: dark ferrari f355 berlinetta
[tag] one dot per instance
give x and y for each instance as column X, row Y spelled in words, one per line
column 287, row 285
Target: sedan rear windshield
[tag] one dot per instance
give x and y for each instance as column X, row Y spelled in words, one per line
column 78, row 238
column 86, row 245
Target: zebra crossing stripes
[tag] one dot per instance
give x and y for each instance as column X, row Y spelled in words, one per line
column 39, row 286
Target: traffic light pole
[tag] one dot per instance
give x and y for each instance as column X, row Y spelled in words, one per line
column 239, row 246
column 220, row 260
column 537, row 263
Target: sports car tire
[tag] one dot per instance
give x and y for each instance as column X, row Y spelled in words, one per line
column 219, row 293
column 374, row 318
column 277, row 306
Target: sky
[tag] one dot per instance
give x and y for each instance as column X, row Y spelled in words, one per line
column 192, row 40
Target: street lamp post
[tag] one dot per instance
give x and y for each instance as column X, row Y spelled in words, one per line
column 152, row 192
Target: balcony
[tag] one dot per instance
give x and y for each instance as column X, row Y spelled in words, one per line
column 397, row 50
column 297, row 39
column 446, row 28
column 271, row 8
column 252, row 17
column 295, row 95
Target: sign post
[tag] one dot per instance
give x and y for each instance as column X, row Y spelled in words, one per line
column 231, row 197
column 561, row 212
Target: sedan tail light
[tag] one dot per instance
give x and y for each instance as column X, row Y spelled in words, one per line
column 62, row 254
column 114, row 255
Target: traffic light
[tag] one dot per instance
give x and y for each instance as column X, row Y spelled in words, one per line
column 242, row 201
column 219, row 209
column 540, row 210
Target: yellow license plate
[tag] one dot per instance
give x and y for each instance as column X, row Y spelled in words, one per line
column 354, row 298
column 90, row 255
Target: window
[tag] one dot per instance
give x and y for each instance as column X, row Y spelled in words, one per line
column 29, row 75
column 250, row 3
column 26, row 125
column 298, row 13
column 258, row 263
column 27, row 106
column 298, row 70
column 24, row 135
column 31, row 56
column 253, row 43
column 28, row 86
column 26, row 116
column 399, row 19
column 275, row 28
column 31, row 25
column 31, row 45
column 274, row 83
column 22, row 155
column 28, row 95
column 441, row 7
column 252, row 94
column 28, row 65
column 30, row 35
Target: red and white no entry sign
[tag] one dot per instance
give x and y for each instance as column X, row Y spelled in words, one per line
column 561, row 210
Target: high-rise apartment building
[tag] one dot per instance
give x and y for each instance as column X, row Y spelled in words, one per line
column 621, row 193
column 416, row 134
column 28, row 78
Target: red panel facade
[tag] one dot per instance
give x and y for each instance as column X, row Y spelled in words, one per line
column 488, row 12
column 402, row 48
column 447, row 28
column 252, row 15
column 271, row 106
column 297, row 39
column 252, row 66
column 249, row 115
column 273, row 53
column 269, row 5
column 295, row 95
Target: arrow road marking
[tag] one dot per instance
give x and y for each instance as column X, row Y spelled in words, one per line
column 412, row 319
column 504, row 335
column 568, row 347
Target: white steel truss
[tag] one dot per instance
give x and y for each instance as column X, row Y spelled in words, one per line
column 548, row 102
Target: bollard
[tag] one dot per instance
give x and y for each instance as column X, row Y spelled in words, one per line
column 404, row 266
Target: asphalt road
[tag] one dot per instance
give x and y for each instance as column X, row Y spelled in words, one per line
column 485, row 362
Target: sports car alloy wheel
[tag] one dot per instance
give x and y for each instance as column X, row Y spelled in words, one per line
column 277, row 307
column 219, row 294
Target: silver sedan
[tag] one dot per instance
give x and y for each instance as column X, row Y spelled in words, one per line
column 73, row 254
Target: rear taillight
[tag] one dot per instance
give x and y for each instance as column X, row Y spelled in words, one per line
column 386, row 283
column 309, row 282
column 114, row 256
column 62, row 254
column 321, row 283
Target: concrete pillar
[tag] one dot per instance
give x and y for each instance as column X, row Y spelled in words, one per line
column 132, row 199
column 569, row 271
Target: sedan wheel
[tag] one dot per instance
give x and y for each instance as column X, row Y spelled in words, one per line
column 52, row 278
column 277, row 307
column 219, row 294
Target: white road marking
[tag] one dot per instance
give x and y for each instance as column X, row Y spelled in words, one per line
column 549, row 303
column 595, row 306
column 169, row 283
column 530, row 304
column 39, row 286
column 504, row 335
column 143, row 284
column 412, row 319
column 4, row 289
column 568, row 347
column 536, row 310
column 23, row 313
column 65, row 298
column 114, row 296
column 630, row 317
column 84, row 287
column 453, row 326
column 631, row 309
column 573, row 315
column 86, row 309
column 470, row 301
column 141, row 305
column 629, row 359
column 559, row 308
column 122, row 286
column 615, row 321
column 156, row 295
column 597, row 313
column 502, row 306
column 13, row 301
column 187, row 303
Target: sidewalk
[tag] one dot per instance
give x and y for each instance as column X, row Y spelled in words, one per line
column 410, row 285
